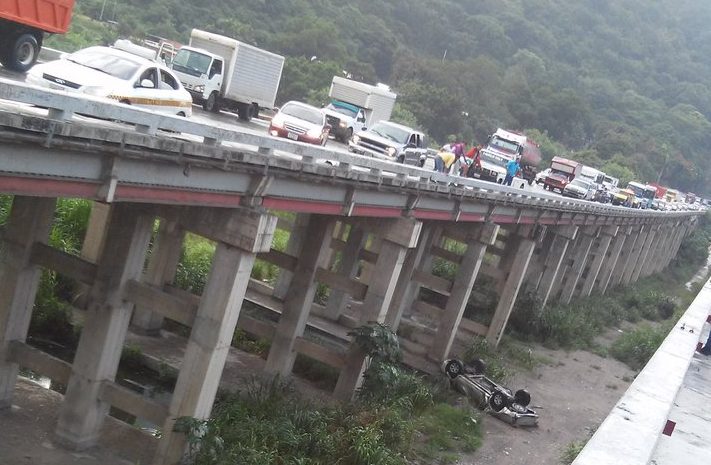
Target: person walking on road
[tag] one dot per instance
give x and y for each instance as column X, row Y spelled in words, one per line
column 512, row 169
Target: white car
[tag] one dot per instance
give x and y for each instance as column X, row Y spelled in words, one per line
column 118, row 75
column 302, row 122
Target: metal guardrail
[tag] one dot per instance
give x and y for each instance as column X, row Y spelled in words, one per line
column 63, row 105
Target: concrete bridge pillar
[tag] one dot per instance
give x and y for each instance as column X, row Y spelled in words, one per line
column 293, row 247
column 563, row 236
column 655, row 251
column 521, row 246
column 580, row 258
column 97, row 357
column 162, row 265
column 644, row 252
column 640, row 240
column 314, row 253
column 607, row 234
column 665, row 249
column 477, row 242
column 350, row 261
column 30, row 221
column 611, row 264
column 676, row 243
column 397, row 237
column 214, row 325
column 93, row 243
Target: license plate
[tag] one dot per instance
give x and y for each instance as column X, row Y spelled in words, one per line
column 292, row 136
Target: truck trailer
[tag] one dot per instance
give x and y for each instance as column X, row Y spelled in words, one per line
column 356, row 106
column 224, row 73
column 23, row 25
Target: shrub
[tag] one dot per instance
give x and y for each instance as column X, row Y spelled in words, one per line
column 636, row 347
column 195, row 263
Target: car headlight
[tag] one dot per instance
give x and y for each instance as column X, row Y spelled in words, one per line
column 200, row 89
column 342, row 124
column 278, row 121
column 96, row 91
column 355, row 139
column 392, row 151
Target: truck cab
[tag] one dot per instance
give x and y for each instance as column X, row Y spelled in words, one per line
column 391, row 141
column 562, row 172
column 502, row 147
column 200, row 72
column 345, row 119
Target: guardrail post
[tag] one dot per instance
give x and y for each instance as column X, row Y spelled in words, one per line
column 97, row 357
column 30, row 221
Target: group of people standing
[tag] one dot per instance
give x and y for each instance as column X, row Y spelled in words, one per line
column 453, row 159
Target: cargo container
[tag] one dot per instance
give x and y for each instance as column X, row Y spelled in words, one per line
column 224, row 73
column 23, row 24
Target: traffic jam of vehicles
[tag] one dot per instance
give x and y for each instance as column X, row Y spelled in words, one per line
column 222, row 73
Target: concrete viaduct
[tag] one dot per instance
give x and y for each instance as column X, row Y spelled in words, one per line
column 385, row 222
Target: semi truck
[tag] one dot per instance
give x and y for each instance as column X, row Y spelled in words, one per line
column 502, row 147
column 224, row 73
column 23, row 25
column 356, row 106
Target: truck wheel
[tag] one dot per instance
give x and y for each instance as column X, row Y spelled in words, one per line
column 245, row 111
column 255, row 110
column 453, row 368
column 22, row 54
column 347, row 135
column 497, row 401
column 212, row 104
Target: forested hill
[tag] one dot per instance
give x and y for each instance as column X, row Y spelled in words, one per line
column 624, row 85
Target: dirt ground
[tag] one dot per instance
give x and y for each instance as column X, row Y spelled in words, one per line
column 573, row 392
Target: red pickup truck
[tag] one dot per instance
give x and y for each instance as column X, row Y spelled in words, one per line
column 23, row 24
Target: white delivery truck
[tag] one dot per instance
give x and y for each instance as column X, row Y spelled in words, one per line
column 356, row 106
column 220, row 72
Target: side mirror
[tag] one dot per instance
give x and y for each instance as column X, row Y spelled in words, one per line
column 147, row 83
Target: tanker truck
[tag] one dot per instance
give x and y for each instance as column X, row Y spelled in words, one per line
column 502, row 147
column 23, row 25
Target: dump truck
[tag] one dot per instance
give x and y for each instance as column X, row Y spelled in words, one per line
column 502, row 147
column 356, row 106
column 23, row 25
column 562, row 172
column 224, row 73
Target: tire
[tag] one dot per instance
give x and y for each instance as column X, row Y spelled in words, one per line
column 212, row 104
column 245, row 111
column 347, row 135
column 498, row 400
column 401, row 158
column 22, row 53
column 522, row 398
column 453, row 368
column 255, row 110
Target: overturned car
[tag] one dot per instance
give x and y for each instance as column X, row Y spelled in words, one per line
column 499, row 401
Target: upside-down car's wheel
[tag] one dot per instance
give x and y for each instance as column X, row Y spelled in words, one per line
column 498, row 401
column 522, row 398
column 454, row 368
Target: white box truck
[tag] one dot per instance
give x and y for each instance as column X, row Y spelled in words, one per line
column 224, row 73
column 356, row 106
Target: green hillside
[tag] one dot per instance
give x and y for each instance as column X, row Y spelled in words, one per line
column 622, row 85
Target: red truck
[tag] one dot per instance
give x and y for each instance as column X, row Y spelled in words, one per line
column 562, row 172
column 23, row 24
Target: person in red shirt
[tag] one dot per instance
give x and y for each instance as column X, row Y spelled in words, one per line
column 475, row 157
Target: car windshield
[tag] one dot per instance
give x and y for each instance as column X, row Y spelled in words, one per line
column 342, row 110
column 106, row 62
column 191, row 62
column 312, row 115
column 503, row 144
column 580, row 183
column 391, row 132
column 493, row 158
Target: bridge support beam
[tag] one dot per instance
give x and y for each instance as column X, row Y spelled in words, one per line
column 162, row 266
column 93, row 243
column 293, row 247
column 349, row 265
column 314, row 253
column 580, row 258
column 477, row 242
column 397, row 237
column 97, row 357
column 30, row 221
column 563, row 236
column 607, row 234
column 214, row 326
column 655, row 251
column 521, row 245
column 609, row 265
column 639, row 242
column 644, row 251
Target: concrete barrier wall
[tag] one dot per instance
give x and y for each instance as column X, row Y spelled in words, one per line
column 630, row 433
